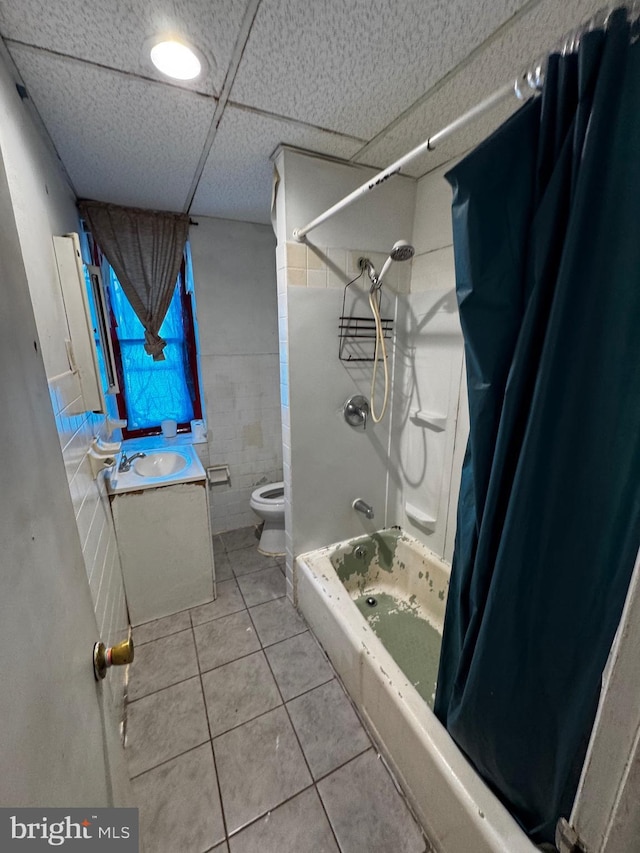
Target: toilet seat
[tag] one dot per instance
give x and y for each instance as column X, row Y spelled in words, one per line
column 269, row 496
column 268, row 502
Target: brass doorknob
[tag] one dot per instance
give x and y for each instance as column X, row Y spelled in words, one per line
column 104, row 657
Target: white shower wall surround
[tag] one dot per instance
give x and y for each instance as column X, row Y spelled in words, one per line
column 331, row 458
column 426, row 413
column 433, row 378
column 326, row 463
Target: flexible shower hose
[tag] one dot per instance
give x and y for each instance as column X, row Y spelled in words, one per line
column 373, row 302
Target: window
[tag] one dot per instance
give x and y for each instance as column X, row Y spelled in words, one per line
column 100, row 325
column 151, row 391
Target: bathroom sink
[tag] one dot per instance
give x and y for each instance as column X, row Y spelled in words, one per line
column 160, row 463
column 159, row 466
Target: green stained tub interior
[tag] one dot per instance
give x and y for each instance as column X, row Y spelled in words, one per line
column 357, row 557
column 411, row 641
column 370, row 565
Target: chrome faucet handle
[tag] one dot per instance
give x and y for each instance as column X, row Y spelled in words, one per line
column 125, row 461
column 356, row 411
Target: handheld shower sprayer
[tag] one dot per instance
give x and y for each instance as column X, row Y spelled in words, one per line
column 401, row 251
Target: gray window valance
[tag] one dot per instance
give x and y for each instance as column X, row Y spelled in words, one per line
column 145, row 249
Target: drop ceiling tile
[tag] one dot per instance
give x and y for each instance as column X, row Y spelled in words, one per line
column 353, row 66
column 121, row 139
column 532, row 35
column 113, row 32
column 428, row 121
column 236, row 182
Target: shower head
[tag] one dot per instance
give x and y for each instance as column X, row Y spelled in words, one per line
column 402, row 251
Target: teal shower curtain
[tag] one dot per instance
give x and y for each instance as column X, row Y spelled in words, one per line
column 546, row 219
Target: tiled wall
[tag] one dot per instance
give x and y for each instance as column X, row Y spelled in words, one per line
column 285, row 408
column 236, row 299
column 326, row 267
column 243, row 418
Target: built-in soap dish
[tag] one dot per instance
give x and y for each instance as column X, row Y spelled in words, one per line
column 419, row 517
column 428, row 419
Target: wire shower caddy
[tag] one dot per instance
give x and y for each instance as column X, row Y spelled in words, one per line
column 357, row 333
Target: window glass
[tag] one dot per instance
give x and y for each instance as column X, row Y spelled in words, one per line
column 100, row 326
column 154, row 390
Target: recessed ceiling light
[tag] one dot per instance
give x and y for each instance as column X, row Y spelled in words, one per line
column 176, row 59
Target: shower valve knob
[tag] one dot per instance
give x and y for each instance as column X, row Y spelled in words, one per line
column 356, row 411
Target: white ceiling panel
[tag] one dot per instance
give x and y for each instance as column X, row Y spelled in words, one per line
column 353, row 66
column 327, row 76
column 112, row 32
column 121, row 139
column 530, row 36
column 236, row 182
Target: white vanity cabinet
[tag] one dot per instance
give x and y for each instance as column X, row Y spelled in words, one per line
column 165, row 548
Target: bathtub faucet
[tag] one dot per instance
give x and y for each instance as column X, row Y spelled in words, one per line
column 363, row 507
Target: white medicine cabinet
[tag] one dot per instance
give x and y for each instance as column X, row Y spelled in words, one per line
column 89, row 348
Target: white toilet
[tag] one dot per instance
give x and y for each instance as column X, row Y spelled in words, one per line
column 268, row 503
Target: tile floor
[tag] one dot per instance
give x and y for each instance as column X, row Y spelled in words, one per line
column 239, row 737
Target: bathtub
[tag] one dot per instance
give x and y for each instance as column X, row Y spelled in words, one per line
column 457, row 810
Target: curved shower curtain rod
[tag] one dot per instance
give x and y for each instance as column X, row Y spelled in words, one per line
column 524, row 87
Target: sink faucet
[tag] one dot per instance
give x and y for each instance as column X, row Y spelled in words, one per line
column 363, row 507
column 125, row 461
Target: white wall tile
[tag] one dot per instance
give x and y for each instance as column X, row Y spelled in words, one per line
column 281, row 278
column 237, row 302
